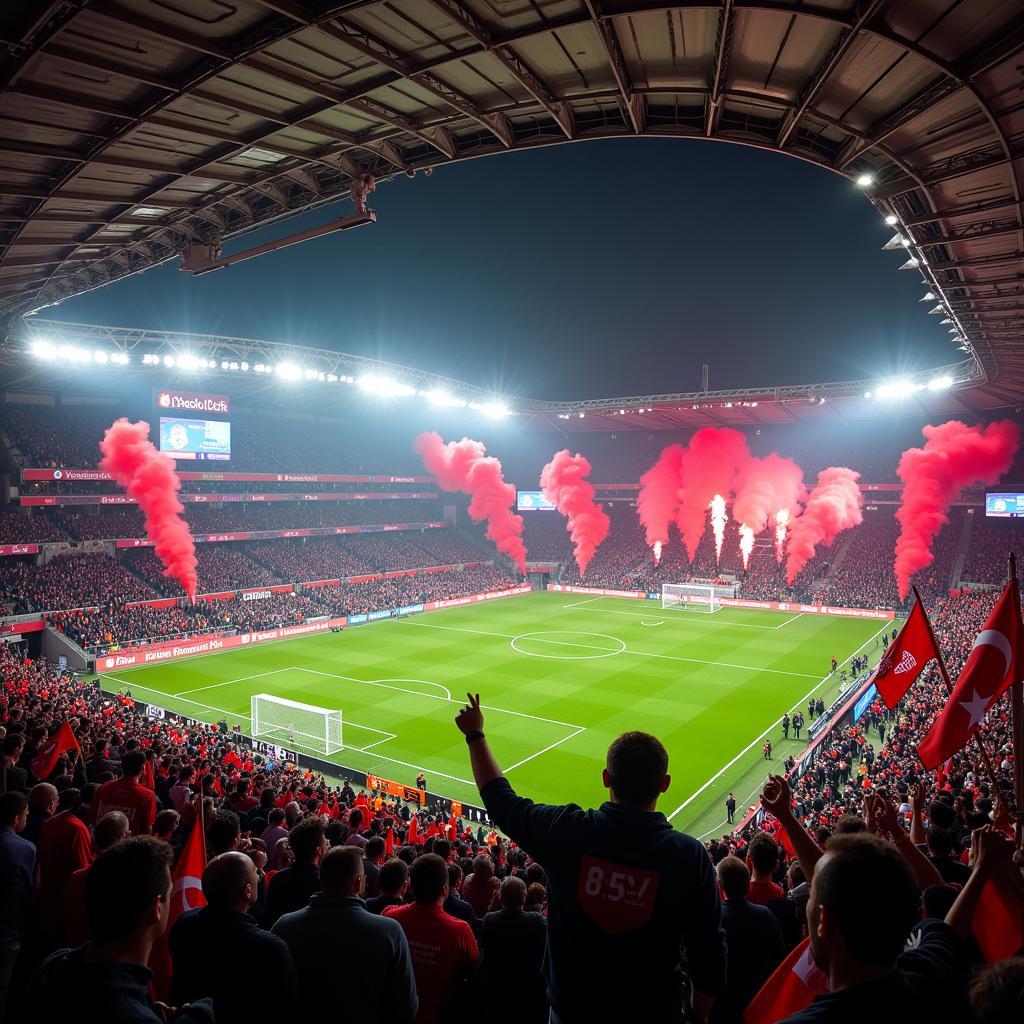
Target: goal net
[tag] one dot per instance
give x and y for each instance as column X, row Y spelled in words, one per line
column 693, row 597
column 287, row 723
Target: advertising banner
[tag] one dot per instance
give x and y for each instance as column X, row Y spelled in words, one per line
column 738, row 602
column 19, row 549
column 173, row 400
column 187, row 498
column 25, row 626
column 74, row 475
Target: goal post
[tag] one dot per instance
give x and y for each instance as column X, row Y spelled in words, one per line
column 693, row 597
column 290, row 723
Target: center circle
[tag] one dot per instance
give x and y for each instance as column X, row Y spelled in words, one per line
column 578, row 648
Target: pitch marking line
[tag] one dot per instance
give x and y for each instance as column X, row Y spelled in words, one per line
column 301, row 746
column 714, row 778
column 616, row 611
column 800, row 615
column 627, row 650
column 240, row 679
column 551, row 746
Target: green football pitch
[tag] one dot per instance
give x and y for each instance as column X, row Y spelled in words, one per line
column 560, row 675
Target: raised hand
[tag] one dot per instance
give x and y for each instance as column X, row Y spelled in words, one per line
column 776, row 797
column 470, row 718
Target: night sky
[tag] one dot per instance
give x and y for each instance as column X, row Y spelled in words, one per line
column 585, row 270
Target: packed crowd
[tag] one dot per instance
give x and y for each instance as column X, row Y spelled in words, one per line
column 220, row 568
column 67, row 581
column 17, row 527
column 878, row 753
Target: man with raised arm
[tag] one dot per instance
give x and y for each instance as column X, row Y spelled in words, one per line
column 627, row 893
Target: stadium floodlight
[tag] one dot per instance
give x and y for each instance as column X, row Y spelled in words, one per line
column 495, row 410
column 100, row 357
column 892, row 220
column 864, row 180
column 190, row 362
column 385, row 387
column 168, row 361
column 73, row 354
column 288, row 371
column 940, row 383
column 899, row 388
column 43, row 349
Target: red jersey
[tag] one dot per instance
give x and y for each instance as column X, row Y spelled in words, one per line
column 64, row 846
column 762, row 892
column 443, row 950
column 137, row 802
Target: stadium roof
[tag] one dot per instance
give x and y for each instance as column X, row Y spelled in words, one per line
column 130, row 131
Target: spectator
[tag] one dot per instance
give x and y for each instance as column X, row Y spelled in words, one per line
column 480, row 889
column 513, row 943
column 393, row 880
column 291, row 888
column 275, row 830
column 763, row 860
column 15, row 777
column 200, row 938
column 753, row 941
column 128, row 795
column 110, row 829
column 128, row 893
column 997, row 992
column 336, row 931
column 17, row 882
column 42, row 805
column 65, row 846
column 373, row 858
column 593, row 859
column 454, row 905
column 444, row 950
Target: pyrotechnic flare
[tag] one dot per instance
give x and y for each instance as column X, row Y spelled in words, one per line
column 781, row 523
column 954, row 456
column 465, row 466
column 746, row 544
column 148, row 476
column 564, row 483
column 718, row 520
column 765, row 489
column 709, row 467
column 658, row 499
column 834, row 505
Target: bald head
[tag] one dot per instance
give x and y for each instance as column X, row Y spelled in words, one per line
column 110, row 829
column 43, row 797
column 230, row 883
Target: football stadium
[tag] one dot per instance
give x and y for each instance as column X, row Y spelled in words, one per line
column 604, row 556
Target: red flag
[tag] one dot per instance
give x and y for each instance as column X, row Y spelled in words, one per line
column 940, row 774
column 793, row 986
column 389, row 842
column 45, row 761
column 906, row 657
column 414, row 831
column 782, row 839
column 998, row 923
column 452, row 828
column 433, row 830
column 186, row 894
column 995, row 664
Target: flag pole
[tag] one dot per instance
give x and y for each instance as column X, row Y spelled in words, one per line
column 989, row 767
column 1017, row 715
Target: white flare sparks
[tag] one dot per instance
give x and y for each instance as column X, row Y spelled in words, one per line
column 781, row 522
column 718, row 520
column 746, row 544
column 657, row 552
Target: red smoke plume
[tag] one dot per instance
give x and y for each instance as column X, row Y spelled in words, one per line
column 465, row 466
column 954, row 456
column 709, row 467
column 833, row 506
column 149, row 477
column 765, row 487
column 564, row 482
column 658, row 499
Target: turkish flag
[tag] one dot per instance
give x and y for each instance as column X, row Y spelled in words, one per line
column 906, row 657
column 793, row 986
column 186, row 894
column 45, row 761
column 995, row 663
column 414, row 831
column 389, row 842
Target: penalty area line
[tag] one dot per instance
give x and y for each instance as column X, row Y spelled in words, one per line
column 714, row 778
column 550, row 746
